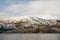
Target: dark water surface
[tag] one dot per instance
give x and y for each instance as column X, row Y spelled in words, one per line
column 29, row 36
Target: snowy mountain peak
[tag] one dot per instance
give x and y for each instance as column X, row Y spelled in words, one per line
column 42, row 17
column 30, row 18
column 50, row 17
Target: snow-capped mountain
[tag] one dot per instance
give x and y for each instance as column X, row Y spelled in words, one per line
column 32, row 17
column 35, row 19
column 27, row 21
column 50, row 17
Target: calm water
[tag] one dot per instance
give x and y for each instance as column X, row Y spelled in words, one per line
column 29, row 36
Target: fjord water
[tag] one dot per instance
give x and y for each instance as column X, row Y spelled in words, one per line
column 29, row 36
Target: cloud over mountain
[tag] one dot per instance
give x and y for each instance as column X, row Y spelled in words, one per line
column 32, row 8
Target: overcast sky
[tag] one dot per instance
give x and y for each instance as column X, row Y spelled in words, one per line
column 11, row 8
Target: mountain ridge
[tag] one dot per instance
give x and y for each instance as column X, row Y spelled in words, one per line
column 29, row 19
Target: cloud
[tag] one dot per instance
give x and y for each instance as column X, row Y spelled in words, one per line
column 15, row 7
column 1, row 14
column 44, row 7
column 40, row 8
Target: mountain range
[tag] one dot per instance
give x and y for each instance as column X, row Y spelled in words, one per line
column 30, row 24
column 30, row 19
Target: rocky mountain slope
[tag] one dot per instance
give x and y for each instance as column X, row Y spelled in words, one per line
column 30, row 24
